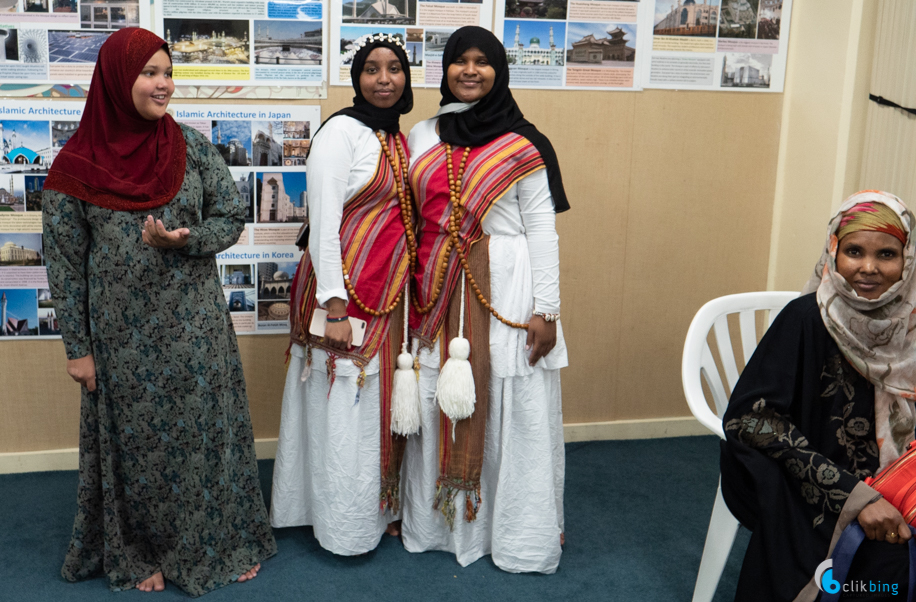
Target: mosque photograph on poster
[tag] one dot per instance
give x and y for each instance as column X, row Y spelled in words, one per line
column 25, row 146
column 18, row 312
column 281, row 197
column 244, row 183
column 233, row 141
column 33, row 186
column 686, row 18
column 601, row 45
column 746, row 70
column 76, row 46
column 217, row 41
column 20, row 249
column 738, row 19
column 47, row 322
column 381, row 12
column 535, row 42
column 287, row 42
column 12, row 197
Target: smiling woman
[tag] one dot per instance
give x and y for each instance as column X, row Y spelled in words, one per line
column 489, row 477
column 870, row 254
column 470, row 77
column 154, row 87
column 134, row 210
column 825, row 402
column 337, row 457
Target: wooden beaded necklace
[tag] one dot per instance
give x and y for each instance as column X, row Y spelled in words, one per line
column 400, row 178
column 454, row 227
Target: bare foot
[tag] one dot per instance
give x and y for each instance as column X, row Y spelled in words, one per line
column 250, row 574
column 394, row 528
column 154, row 584
column 562, row 539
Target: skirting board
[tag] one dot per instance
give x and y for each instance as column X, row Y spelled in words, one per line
column 653, row 428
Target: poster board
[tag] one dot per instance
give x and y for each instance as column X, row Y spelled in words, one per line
column 245, row 42
column 58, row 41
column 727, row 45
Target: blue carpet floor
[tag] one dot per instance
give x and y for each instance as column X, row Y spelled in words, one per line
column 636, row 519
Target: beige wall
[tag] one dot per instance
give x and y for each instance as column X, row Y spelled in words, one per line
column 673, row 204
column 824, row 110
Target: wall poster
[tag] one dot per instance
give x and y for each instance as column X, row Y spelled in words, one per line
column 264, row 147
column 574, row 44
column 425, row 27
column 735, row 45
column 245, row 42
column 58, row 41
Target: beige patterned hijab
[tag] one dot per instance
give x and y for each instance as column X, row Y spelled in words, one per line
column 877, row 336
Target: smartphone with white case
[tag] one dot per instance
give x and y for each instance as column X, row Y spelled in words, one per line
column 319, row 321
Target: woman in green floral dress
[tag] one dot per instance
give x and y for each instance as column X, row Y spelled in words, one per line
column 135, row 208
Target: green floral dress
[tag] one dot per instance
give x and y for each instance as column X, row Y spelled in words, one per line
column 168, row 478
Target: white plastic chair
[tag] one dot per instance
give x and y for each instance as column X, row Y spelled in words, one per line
column 698, row 365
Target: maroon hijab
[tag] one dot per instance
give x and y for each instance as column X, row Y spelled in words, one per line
column 117, row 159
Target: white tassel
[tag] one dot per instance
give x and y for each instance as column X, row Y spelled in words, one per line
column 405, row 397
column 455, row 388
column 306, row 368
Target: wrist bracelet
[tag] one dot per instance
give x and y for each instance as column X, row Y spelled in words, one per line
column 337, row 320
column 547, row 317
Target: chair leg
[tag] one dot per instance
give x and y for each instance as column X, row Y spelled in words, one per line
column 719, row 540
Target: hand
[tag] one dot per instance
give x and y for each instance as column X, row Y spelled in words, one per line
column 338, row 334
column 155, row 235
column 881, row 521
column 298, row 236
column 82, row 370
column 542, row 337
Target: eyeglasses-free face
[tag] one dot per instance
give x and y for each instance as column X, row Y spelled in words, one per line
column 871, row 262
column 470, row 77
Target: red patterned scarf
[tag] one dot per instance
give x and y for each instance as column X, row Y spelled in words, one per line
column 490, row 171
column 375, row 253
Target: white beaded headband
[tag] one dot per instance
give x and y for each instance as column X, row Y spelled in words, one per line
column 380, row 37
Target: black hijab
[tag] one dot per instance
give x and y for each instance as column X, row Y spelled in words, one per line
column 495, row 114
column 362, row 109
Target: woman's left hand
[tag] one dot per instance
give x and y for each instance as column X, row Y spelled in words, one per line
column 542, row 337
column 155, row 235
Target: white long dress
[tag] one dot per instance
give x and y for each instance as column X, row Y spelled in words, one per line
column 327, row 470
column 521, row 515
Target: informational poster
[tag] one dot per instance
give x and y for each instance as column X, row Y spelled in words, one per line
column 574, row 44
column 737, row 45
column 58, row 41
column 264, row 147
column 30, row 135
column 423, row 26
column 245, row 42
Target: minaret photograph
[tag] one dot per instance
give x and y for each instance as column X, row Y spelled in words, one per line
column 3, row 314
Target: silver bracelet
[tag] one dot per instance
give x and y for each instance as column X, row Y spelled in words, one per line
column 547, row 317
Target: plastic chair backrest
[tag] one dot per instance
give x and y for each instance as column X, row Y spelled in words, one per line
column 698, row 364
